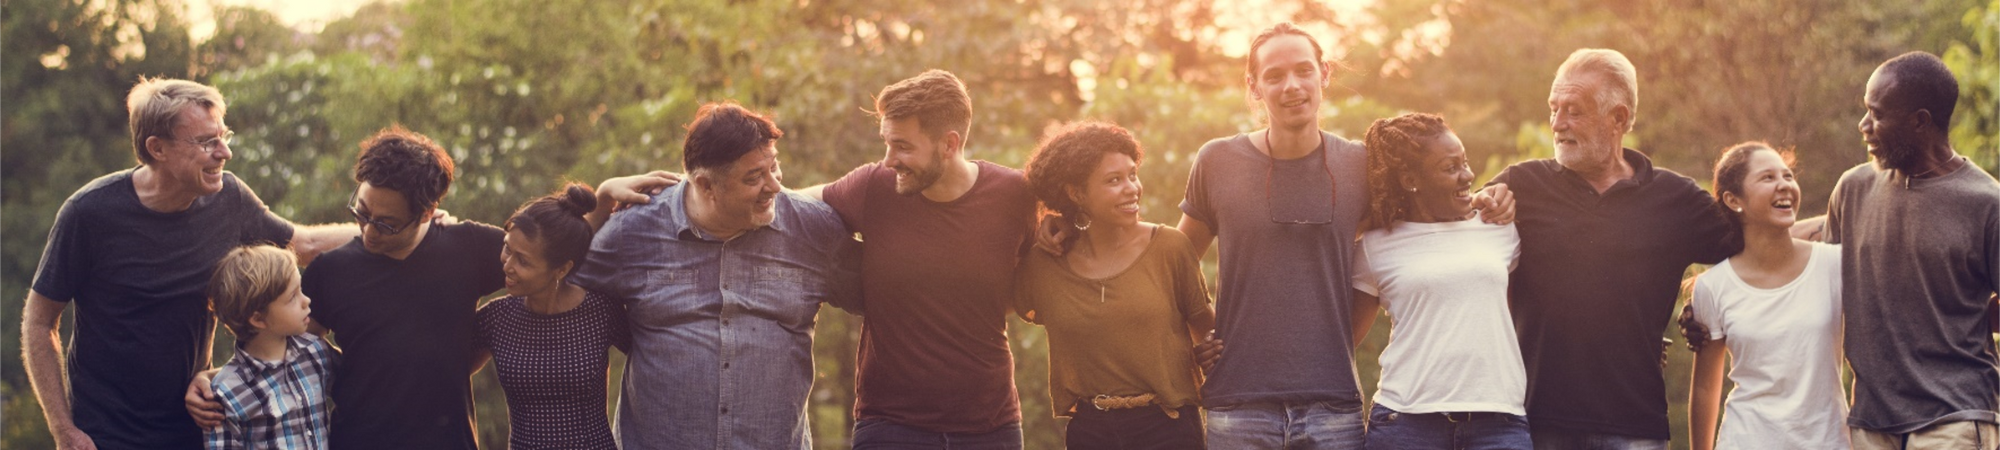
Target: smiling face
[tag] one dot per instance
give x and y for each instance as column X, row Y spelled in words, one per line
column 190, row 167
column 1587, row 132
column 746, row 192
column 1288, row 80
column 1770, row 194
column 1110, row 193
column 1889, row 127
column 525, row 264
column 917, row 158
column 1443, row 180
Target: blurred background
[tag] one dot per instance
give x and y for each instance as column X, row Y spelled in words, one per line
column 526, row 94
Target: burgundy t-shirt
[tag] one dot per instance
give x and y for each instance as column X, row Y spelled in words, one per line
column 936, row 281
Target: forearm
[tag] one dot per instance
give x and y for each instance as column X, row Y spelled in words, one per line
column 817, row 191
column 42, row 356
column 1363, row 315
column 309, row 241
column 1705, row 395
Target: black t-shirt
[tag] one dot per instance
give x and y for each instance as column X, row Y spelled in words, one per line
column 138, row 279
column 405, row 330
column 1596, row 286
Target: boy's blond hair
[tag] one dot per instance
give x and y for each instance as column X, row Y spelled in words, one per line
column 245, row 283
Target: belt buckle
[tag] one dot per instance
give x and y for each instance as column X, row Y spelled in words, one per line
column 1096, row 402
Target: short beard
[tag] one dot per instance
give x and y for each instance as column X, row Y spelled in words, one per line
column 922, row 179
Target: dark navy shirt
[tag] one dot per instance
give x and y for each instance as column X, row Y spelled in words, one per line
column 1596, row 286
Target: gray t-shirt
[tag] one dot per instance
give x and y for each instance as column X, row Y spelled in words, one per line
column 1919, row 259
column 1285, row 230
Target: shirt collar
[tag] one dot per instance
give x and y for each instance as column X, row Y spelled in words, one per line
column 683, row 226
column 293, row 348
column 1642, row 168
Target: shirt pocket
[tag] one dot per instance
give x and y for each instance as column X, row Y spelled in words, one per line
column 790, row 295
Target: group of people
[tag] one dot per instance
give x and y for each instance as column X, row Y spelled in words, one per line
column 1528, row 313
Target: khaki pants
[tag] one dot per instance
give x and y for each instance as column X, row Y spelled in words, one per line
column 1967, row 435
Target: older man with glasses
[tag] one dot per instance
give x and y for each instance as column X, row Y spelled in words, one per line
column 133, row 250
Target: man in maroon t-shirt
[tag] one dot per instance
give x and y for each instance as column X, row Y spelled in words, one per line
column 941, row 236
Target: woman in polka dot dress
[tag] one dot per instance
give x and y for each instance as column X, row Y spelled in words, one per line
column 550, row 340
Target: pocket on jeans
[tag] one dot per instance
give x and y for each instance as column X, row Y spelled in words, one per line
column 1517, row 420
column 1383, row 416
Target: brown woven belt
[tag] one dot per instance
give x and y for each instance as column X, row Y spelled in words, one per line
column 1114, row 402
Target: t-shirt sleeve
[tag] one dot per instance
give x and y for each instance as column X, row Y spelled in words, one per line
column 619, row 326
column 1364, row 277
column 264, row 225
column 1830, row 230
column 65, row 260
column 1707, row 305
column 1710, row 232
column 488, row 242
column 482, row 332
column 844, row 280
column 1190, row 285
column 849, row 195
column 1195, row 202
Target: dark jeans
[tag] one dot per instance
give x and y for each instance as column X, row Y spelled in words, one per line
column 881, row 434
column 1306, row 425
column 1388, row 428
column 1135, row 428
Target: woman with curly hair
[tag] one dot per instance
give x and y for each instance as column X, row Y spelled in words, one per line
column 1452, row 376
column 1123, row 306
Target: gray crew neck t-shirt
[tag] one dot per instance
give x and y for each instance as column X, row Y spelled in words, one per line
column 1285, row 232
column 1919, row 260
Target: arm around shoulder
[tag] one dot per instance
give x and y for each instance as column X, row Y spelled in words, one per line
column 310, row 241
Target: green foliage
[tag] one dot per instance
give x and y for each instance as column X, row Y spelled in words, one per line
column 525, row 96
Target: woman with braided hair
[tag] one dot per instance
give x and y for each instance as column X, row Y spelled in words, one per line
column 1452, row 376
column 1123, row 306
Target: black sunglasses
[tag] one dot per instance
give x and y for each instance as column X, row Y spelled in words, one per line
column 354, row 207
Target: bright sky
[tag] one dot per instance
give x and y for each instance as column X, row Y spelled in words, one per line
column 305, row 15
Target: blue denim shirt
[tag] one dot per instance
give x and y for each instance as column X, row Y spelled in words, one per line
column 721, row 352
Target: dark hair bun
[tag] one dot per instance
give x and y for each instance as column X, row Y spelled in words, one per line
column 578, row 199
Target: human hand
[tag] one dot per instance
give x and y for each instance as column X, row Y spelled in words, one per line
column 1208, row 352
column 1694, row 331
column 1495, row 204
column 200, row 401
column 73, row 438
column 1050, row 234
column 636, row 189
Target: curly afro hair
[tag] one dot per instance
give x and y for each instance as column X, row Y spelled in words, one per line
column 1066, row 157
column 1395, row 146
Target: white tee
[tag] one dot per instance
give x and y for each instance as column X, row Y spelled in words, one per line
column 1452, row 347
column 1784, row 355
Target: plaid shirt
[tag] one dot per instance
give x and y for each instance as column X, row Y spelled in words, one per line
column 277, row 405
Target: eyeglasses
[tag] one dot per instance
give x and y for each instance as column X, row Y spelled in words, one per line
column 354, row 207
column 1298, row 213
column 211, row 145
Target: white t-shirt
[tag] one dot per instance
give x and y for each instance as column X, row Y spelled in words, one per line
column 1453, row 347
column 1784, row 355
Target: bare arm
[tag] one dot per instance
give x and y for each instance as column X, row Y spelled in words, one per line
column 42, row 354
column 1813, row 229
column 1363, row 315
column 1705, row 394
column 1197, row 232
column 479, row 359
column 626, row 190
column 309, row 241
column 817, row 191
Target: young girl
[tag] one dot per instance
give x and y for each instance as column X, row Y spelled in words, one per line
column 549, row 339
column 1774, row 312
column 1452, row 376
column 1124, row 304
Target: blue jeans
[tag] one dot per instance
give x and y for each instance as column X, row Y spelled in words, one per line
column 881, row 434
column 1559, row 440
column 1314, row 425
column 1388, row 428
